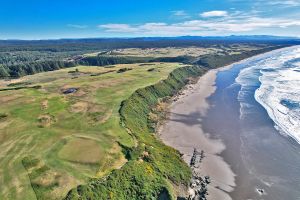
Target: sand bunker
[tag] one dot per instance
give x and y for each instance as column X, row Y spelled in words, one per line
column 80, row 107
column 44, row 105
column 46, row 120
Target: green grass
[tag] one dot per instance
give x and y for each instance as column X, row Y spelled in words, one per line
column 147, row 177
column 144, row 177
column 109, row 115
column 23, row 137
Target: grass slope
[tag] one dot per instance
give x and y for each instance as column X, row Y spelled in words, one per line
column 153, row 167
column 50, row 142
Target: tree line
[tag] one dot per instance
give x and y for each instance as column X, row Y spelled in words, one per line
column 18, row 68
column 23, row 69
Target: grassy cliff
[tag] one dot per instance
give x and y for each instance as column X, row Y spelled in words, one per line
column 70, row 144
column 153, row 167
column 51, row 142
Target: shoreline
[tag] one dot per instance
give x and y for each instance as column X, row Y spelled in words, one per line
column 184, row 116
column 213, row 165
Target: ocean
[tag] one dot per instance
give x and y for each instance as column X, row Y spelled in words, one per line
column 276, row 81
column 255, row 111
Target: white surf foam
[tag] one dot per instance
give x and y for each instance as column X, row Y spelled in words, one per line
column 276, row 82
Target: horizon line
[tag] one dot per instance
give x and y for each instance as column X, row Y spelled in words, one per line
column 121, row 37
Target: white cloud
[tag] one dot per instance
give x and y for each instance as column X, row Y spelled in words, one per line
column 181, row 14
column 77, row 26
column 214, row 13
column 234, row 23
column 289, row 3
column 121, row 28
column 276, row 4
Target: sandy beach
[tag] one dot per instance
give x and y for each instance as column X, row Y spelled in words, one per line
column 183, row 131
column 207, row 117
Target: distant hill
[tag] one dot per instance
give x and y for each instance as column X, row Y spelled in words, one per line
column 243, row 37
column 145, row 39
column 61, row 45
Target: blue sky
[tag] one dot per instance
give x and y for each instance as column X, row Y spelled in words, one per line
column 49, row 19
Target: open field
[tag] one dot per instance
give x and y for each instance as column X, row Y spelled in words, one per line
column 177, row 51
column 157, row 52
column 53, row 141
column 16, row 63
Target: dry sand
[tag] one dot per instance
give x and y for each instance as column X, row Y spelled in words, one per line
column 183, row 132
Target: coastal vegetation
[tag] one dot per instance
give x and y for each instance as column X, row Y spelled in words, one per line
column 88, row 132
column 134, row 113
column 20, row 58
column 42, row 128
column 153, row 167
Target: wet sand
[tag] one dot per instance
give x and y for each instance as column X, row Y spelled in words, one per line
column 245, row 157
column 266, row 163
column 183, row 131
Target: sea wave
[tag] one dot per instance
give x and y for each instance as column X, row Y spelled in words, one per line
column 275, row 83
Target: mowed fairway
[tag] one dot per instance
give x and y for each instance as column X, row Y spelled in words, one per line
column 51, row 142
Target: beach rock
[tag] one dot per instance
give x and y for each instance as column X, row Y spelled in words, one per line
column 191, row 193
column 260, row 191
